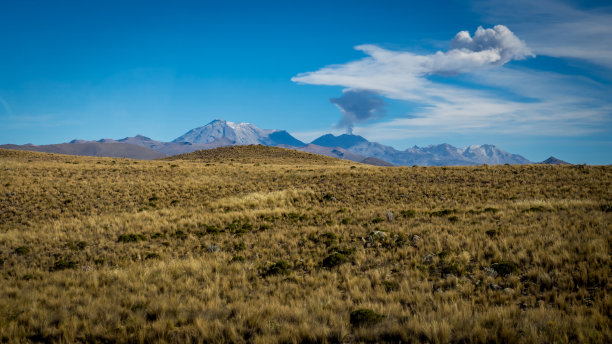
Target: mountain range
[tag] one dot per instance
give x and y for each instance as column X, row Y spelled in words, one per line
column 220, row 133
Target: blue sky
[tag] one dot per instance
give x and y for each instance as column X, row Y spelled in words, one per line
column 536, row 80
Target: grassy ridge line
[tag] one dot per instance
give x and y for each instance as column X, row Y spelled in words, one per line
column 122, row 261
column 259, row 154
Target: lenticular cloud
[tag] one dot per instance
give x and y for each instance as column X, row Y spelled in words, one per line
column 382, row 69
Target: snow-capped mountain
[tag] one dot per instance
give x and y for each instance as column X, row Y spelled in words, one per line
column 219, row 133
column 433, row 155
column 239, row 134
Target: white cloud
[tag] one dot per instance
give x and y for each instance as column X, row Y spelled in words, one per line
column 387, row 70
column 507, row 99
column 556, row 28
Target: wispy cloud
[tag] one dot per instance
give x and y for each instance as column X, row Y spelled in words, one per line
column 485, row 96
column 556, row 28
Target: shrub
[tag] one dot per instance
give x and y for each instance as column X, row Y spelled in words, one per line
column 390, row 286
column 329, row 238
column 179, row 234
column 279, row 268
column 408, row 213
column 334, row 259
column 239, row 246
column 239, row 227
column 329, row 197
column 606, row 208
column 365, row 317
column 126, row 238
column 22, row 250
column 491, row 232
column 152, row 255
column 504, row 268
column 158, row 235
column 237, row 259
column 378, row 220
column 442, row 212
column 63, row 264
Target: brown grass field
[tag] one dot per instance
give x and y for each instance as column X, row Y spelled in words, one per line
column 265, row 245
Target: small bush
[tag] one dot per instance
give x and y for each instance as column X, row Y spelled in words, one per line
column 239, row 246
column 329, row 238
column 22, row 250
column 180, row 234
column 126, row 238
column 442, row 212
column 329, row 197
column 81, row 245
column 504, row 268
column 236, row 259
column 152, row 256
column 279, row 268
column 378, row 220
column 606, row 208
column 365, row 317
column 538, row 208
column 158, row 235
column 63, row 265
column 239, row 227
column 408, row 213
column 333, row 260
column 390, row 286
column 492, row 232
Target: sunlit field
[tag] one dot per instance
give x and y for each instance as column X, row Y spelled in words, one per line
column 261, row 244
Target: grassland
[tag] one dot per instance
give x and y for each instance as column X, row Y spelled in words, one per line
column 226, row 246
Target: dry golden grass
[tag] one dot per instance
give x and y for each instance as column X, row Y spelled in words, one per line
column 210, row 249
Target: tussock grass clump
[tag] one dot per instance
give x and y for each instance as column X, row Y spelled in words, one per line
column 365, row 317
column 279, row 268
column 504, row 268
column 22, row 250
column 334, row 260
column 63, row 264
column 127, row 238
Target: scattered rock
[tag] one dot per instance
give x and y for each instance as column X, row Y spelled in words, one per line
column 389, row 215
column 508, row 290
column 494, row 286
column 416, row 240
column 212, row 248
column 375, row 237
column 490, row 272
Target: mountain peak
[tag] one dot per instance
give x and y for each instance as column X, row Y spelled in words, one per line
column 343, row 141
column 554, row 161
column 237, row 133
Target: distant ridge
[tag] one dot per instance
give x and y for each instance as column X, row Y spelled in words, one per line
column 434, row 155
column 256, row 154
column 102, row 149
column 222, row 133
column 554, row 161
